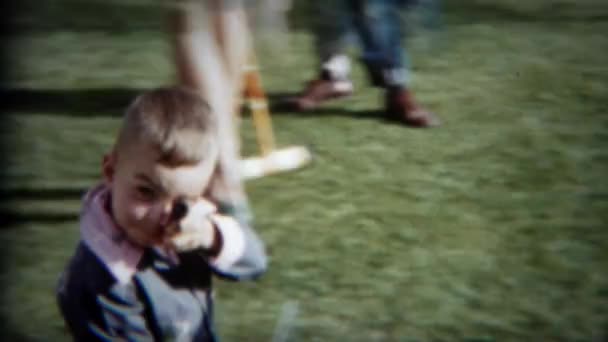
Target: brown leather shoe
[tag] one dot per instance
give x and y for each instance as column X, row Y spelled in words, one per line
column 319, row 91
column 400, row 106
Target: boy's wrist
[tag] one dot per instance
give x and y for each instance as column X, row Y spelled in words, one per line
column 216, row 244
column 240, row 212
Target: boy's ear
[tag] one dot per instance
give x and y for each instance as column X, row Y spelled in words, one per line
column 108, row 167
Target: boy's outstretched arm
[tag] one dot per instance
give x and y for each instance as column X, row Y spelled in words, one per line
column 232, row 248
column 242, row 255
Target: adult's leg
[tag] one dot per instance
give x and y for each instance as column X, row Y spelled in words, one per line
column 332, row 30
column 211, row 45
column 378, row 24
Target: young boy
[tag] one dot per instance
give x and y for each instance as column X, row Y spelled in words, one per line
column 150, row 241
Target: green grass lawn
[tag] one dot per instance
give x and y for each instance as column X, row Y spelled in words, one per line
column 492, row 227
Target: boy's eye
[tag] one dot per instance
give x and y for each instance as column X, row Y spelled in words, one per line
column 145, row 192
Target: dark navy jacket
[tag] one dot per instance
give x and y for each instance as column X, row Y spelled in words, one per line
column 111, row 290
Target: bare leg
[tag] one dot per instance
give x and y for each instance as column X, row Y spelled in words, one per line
column 211, row 43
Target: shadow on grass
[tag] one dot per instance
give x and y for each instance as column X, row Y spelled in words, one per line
column 76, row 102
column 9, row 333
column 84, row 16
column 304, row 16
column 495, row 11
column 41, row 194
column 132, row 16
column 12, row 217
column 111, row 102
column 279, row 104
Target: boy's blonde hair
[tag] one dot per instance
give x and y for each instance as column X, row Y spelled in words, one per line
column 174, row 120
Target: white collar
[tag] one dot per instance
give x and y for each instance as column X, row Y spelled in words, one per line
column 101, row 234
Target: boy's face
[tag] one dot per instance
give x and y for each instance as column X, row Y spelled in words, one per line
column 144, row 191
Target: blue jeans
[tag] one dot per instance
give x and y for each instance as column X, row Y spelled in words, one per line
column 378, row 28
